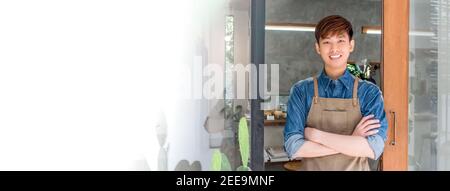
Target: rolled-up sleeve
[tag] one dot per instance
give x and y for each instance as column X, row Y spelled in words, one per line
column 373, row 103
column 377, row 145
column 293, row 143
column 296, row 117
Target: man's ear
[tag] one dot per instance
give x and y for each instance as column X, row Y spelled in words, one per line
column 352, row 45
column 317, row 48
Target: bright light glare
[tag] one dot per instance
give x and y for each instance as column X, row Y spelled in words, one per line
column 82, row 83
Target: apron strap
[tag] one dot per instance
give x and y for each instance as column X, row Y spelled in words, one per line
column 355, row 91
column 316, row 90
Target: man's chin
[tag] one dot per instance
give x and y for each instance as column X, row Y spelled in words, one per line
column 334, row 65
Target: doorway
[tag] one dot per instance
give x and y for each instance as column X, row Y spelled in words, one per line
column 289, row 43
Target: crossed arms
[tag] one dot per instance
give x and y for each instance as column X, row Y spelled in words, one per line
column 320, row 143
column 367, row 140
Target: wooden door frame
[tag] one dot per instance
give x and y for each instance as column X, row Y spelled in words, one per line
column 395, row 77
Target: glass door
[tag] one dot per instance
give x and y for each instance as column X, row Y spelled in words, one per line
column 429, row 89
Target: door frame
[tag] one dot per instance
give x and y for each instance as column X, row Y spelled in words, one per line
column 258, row 22
column 395, row 68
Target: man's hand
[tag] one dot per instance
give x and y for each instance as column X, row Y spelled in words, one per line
column 366, row 127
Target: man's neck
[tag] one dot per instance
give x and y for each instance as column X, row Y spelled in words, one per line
column 334, row 74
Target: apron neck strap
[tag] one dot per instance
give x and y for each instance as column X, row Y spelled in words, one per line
column 316, row 90
column 355, row 91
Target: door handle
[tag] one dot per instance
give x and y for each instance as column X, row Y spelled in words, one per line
column 393, row 141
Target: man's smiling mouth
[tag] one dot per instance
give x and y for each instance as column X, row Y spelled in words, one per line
column 334, row 57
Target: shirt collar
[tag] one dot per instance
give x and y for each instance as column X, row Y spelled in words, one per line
column 346, row 79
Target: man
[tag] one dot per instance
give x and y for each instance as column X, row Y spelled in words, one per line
column 325, row 125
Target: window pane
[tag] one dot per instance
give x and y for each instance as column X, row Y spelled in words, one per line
column 429, row 77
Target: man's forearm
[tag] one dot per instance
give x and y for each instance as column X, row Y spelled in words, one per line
column 313, row 149
column 346, row 144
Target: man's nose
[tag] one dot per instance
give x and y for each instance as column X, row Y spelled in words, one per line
column 334, row 47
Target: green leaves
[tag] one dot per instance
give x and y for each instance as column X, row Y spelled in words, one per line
column 354, row 69
column 216, row 161
column 220, row 162
column 225, row 163
column 244, row 142
column 243, row 168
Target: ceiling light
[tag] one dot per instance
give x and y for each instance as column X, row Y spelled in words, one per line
column 291, row 27
column 377, row 30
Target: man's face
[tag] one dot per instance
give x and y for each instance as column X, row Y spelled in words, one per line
column 335, row 50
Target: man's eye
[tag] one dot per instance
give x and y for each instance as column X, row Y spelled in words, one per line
column 326, row 42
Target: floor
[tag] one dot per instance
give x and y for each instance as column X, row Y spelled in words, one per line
column 274, row 166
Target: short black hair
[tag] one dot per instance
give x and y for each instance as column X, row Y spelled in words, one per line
column 331, row 25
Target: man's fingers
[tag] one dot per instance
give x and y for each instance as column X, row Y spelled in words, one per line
column 373, row 132
column 370, row 122
column 370, row 127
column 364, row 119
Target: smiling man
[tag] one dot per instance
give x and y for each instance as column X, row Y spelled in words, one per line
column 325, row 126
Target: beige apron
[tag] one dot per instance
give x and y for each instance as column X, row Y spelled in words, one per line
column 339, row 116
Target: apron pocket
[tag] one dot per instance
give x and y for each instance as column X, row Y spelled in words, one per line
column 335, row 121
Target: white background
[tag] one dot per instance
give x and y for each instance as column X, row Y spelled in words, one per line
column 81, row 82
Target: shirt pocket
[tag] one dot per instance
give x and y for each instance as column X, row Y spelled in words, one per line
column 335, row 121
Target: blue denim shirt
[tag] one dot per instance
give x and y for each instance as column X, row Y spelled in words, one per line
column 300, row 98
